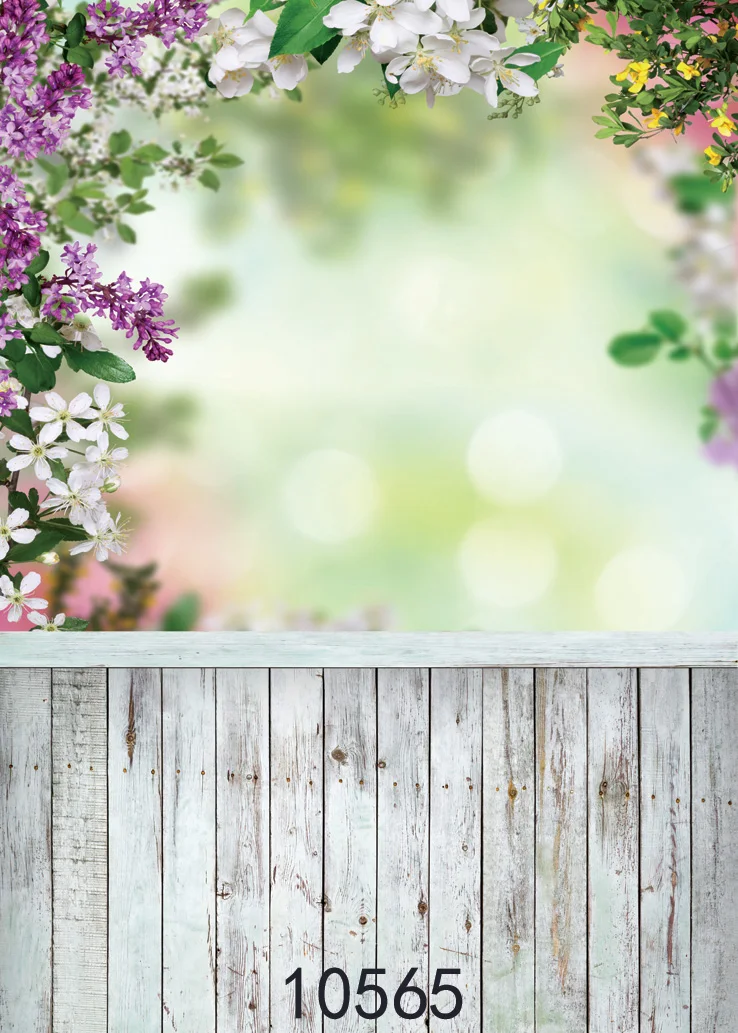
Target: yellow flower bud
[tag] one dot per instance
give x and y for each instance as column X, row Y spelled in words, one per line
column 49, row 558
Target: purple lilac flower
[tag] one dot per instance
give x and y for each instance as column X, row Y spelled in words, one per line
column 20, row 227
column 123, row 29
column 723, row 448
column 138, row 311
column 8, row 401
column 22, row 33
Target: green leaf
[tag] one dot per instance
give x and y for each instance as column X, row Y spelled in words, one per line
column 669, row 324
column 17, row 500
column 36, row 372
column 183, row 614
column 80, row 56
column 549, row 54
column 393, row 88
column 56, row 174
column 695, row 193
column 300, row 27
column 14, row 350
column 20, row 423
column 76, row 30
column 206, row 147
column 138, row 208
column 102, row 365
column 324, row 51
column 150, row 152
column 31, row 291
column 208, row 179
column 38, row 264
column 226, row 161
column 635, row 349
column 66, row 530
column 71, row 216
column 44, row 333
column 43, row 542
column 119, row 142
column 134, row 172
column 126, row 233
column 74, row 624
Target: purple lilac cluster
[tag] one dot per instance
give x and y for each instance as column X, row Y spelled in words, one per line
column 138, row 311
column 20, row 227
column 8, row 399
column 123, row 29
column 34, row 120
column 723, row 448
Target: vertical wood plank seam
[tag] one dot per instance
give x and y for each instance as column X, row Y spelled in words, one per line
column 162, row 851
column 586, row 841
column 376, row 824
column 535, row 841
column 269, row 818
column 51, row 836
column 639, row 847
column 691, row 840
column 429, row 926
column 481, row 860
column 215, row 841
column 107, row 853
column 322, row 840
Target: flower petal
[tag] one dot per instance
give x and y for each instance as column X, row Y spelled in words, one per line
column 17, row 517
column 24, row 535
column 30, row 581
column 102, row 395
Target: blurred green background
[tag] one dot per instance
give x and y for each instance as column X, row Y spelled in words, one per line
column 391, row 402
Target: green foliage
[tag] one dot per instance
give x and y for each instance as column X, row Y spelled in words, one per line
column 183, row 614
column 102, row 365
column 637, row 349
column 300, row 28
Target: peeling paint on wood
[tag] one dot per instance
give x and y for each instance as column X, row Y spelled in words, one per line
column 135, row 851
column 508, row 978
column 25, row 851
column 714, row 851
column 242, row 798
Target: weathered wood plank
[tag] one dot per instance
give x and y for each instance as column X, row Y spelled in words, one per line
column 665, row 851
column 25, row 851
column 350, row 868
column 456, row 844
column 80, row 851
column 135, row 851
column 188, row 732
column 612, row 709
column 714, row 851
column 403, row 857
column 561, row 850
column 370, row 649
column 297, row 846
column 243, row 850
column 508, row 936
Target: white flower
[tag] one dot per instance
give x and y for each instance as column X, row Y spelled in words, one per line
column 287, row 70
column 105, row 536
column 42, row 621
column 102, row 461
column 11, row 531
column 436, row 67
column 229, row 33
column 530, row 29
column 80, row 331
column 352, row 52
column 60, row 416
column 502, row 66
column 392, row 26
column 106, row 417
column 18, row 599
column 79, row 497
column 231, row 83
column 18, row 306
column 37, row 452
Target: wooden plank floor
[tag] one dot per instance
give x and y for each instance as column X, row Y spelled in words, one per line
column 233, row 851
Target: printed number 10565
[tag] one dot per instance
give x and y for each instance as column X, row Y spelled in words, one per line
column 409, row 1002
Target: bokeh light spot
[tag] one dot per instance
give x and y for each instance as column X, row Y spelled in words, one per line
column 331, row 496
column 642, row 588
column 514, row 457
column 506, row 564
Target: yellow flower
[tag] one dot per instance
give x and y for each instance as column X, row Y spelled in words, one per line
column 678, row 130
column 688, row 71
column 723, row 26
column 724, row 125
column 638, row 73
column 713, row 156
column 658, row 118
column 582, row 25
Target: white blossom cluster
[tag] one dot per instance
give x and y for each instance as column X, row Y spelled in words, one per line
column 176, row 83
column 434, row 47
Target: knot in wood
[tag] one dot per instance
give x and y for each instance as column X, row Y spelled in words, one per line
column 422, row 907
column 363, row 920
column 603, row 788
column 381, row 763
column 516, row 948
column 339, row 755
column 512, row 791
